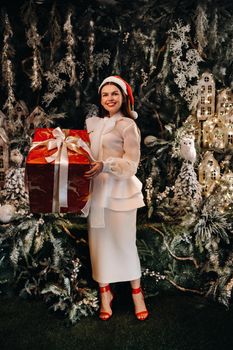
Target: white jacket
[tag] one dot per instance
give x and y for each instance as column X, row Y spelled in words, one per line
column 116, row 142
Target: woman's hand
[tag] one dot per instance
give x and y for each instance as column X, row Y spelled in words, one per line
column 96, row 168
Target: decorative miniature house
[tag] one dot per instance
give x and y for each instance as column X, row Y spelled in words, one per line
column 229, row 126
column 216, row 128
column 218, row 132
column 225, row 103
column 218, row 136
column 20, row 114
column 37, row 118
column 206, row 97
column 216, row 124
column 209, row 173
column 226, row 198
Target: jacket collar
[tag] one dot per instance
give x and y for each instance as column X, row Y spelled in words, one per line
column 98, row 127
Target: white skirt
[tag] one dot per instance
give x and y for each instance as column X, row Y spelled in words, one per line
column 113, row 250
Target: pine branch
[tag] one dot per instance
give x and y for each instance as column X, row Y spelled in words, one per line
column 193, row 260
column 184, row 289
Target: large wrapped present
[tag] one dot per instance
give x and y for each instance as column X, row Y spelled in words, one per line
column 55, row 169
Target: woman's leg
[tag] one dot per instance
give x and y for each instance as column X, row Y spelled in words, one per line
column 138, row 299
column 106, row 297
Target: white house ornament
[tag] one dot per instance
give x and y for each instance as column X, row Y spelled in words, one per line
column 218, row 132
column 206, row 97
column 37, row 118
column 215, row 114
column 226, row 183
column 209, row 173
column 225, row 102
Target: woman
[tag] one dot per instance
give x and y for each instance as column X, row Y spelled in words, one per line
column 116, row 195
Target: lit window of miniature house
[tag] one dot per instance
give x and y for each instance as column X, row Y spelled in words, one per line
column 229, row 132
column 230, row 139
column 213, row 174
column 206, row 97
column 209, row 173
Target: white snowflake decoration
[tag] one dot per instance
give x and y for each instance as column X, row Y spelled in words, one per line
column 184, row 62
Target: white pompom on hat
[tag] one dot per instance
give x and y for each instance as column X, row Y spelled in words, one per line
column 125, row 87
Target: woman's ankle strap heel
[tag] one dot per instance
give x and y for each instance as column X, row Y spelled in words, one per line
column 104, row 315
column 105, row 289
column 141, row 315
column 137, row 290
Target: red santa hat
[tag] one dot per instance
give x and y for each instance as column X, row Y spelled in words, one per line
column 125, row 87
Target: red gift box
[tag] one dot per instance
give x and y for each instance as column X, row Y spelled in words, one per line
column 55, row 170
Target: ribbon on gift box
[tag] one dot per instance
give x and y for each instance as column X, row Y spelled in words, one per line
column 61, row 143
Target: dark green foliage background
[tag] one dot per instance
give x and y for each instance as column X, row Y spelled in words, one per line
column 135, row 36
column 147, row 23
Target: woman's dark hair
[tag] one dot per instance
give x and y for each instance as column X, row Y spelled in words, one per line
column 125, row 107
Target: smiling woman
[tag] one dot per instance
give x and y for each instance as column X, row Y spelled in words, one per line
column 116, row 195
column 111, row 99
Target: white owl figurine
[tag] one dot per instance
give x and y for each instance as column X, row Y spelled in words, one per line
column 187, row 149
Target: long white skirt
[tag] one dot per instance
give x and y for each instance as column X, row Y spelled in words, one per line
column 113, row 250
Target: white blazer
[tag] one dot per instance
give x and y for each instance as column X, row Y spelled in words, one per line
column 116, row 142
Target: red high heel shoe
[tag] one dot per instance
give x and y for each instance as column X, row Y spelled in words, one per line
column 104, row 315
column 142, row 315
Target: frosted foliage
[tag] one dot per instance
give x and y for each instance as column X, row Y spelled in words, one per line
column 70, row 56
column 14, row 256
column 14, row 189
column 38, row 242
column 58, row 250
column 201, row 27
column 187, row 190
column 9, row 103
column 7, row 69
column 34, row 41
column 147, row 43
column 55, row 84
column 102, row 59
column 184, row 62
column 149, row 191
column 164, row 73
column 91, row 46
column 93, row 111
column 210, row 231
column 213, row 38
column 66, row 66
column 28, row 240
column 211, row 227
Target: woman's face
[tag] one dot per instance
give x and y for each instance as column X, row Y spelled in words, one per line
column 111, row 98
